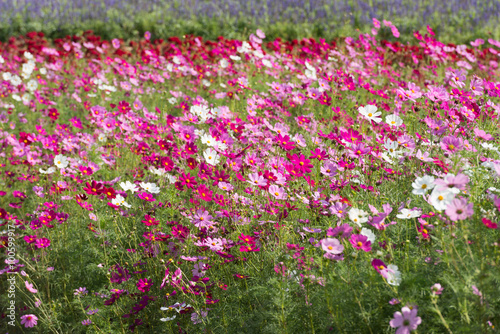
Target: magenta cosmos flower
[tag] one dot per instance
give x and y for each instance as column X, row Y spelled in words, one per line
column 360, row 241
column 144, row 284
column 343, row 231
column 379, row 265
column 451, row 144
column 42, row 243
column 458, row 209
column 205, row 193
column 332, row 246
column 29, row 320
column 405, row 321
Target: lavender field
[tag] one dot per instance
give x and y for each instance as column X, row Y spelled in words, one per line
column 343, row 178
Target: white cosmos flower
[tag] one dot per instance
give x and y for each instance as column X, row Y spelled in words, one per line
column 220, row 145
column 172, row 179
column 392, row 148
column 119, row 201
column 408, row 214
column 489, row 146
column 223, row 63
column 1, row 60
column 422, row 184
column 392, row 274
column 440, row 199
column 43, row 71
column 267, row 63
column 167, row 318
column 310, row 72
column 393, row 120
column 244, row 48
column 157, row 171
column 28, row 55
column 370, row 112
column 207, row 139
column 150, row 187
column 369, row 234
column 15, row 80
column 61, row 161
column 358, row 216
column 386, row 158
column 7, row 76
column 32, row 85
column 211, row 156
column 50, row 170
column 129, row 186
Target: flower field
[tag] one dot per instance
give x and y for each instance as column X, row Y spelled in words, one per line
column 249, row 186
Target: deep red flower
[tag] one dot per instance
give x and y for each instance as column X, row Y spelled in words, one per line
column 123, row 107
column 94, row 188
column 109, row 192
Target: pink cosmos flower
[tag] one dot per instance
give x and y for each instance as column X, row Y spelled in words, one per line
column 257, row 180
column 395, row 31
column 405, row 321
column 42, row 243
column 360, row 241
column 30, row 287
column 436, row 289
column 451, row 144
column 332, row 246
column 458, row 209
column 29, row 320
column 277, row 192
column 394, row 301
column 452, row 182
column 144, row 284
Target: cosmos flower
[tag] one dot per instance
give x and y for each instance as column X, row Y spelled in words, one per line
column 211, row 157
column 30, row 287
column 60, row 161
column 360, row 241
column 331, row 245
column 405, row 321
column 422, row 184
column 370, row 113
column 144, row 284
column 436, row 289
column 459, row 209
column 29, row 320
column 393, row 120
column 277, row 192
